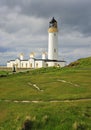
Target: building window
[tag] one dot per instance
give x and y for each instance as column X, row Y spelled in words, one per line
column 26, row 65
column 17, row 65
column 46, row 65
column 36, row 65
column 54, row 50
column 31, row 65
column 22, row 65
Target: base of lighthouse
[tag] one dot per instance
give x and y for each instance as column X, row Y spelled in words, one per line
column 52, row 63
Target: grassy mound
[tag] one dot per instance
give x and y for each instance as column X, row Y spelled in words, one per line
column 81, row 63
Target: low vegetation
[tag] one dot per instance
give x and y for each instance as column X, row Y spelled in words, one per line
column 47, row 98
column 82, row 63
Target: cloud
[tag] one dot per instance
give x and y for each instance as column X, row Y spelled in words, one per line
column 24, row 25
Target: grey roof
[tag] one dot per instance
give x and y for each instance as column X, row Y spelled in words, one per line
column 53, row 20
column 55, row 60
column 48, row 60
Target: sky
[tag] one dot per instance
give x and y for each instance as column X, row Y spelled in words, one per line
column 24, row 28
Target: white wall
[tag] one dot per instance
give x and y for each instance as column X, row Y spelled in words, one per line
column 39, row 64
column 53, row 46
column 61, row 64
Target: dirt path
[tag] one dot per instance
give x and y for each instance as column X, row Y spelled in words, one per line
column 51, row 101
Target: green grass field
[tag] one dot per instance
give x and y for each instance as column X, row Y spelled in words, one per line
column 62, row 95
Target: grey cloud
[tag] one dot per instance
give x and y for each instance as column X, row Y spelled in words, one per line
column 24, row 24
column 74, row 14
column 3, row 49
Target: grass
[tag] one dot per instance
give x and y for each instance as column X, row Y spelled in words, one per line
column 17, row 86
column 46, row 116
column 82, row 63
column 69, row 83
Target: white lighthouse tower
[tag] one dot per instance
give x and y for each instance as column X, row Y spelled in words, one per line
column 53, row 40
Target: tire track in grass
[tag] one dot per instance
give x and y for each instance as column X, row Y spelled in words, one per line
column 64, row 81
column 35, row 86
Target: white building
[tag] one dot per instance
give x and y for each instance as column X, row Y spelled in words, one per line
column 52, row 59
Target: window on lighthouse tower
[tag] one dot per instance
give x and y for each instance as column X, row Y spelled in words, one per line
column 54, row 50
column 51, row 24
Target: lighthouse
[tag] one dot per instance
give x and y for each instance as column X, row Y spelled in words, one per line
column 53, row 40
column 52, row 59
